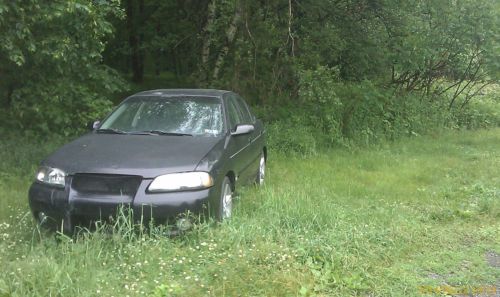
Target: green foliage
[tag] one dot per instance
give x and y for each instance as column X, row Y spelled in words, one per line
column 333, row 113
column 481, row 113
column 50, row 57
column 373, row 113
column 362, row 70
column 317, row 94
column 63, row 108
column 293, row 137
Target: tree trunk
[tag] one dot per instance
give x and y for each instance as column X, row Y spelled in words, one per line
column 230, row 34
column 134, row 13
column 207, row 39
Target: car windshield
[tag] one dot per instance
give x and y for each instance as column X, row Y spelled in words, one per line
column 198, row 116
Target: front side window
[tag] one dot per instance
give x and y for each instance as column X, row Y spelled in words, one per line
column 188, row 115
column 235, row 116
column 247, row 116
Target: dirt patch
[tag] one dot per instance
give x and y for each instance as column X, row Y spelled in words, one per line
column 493, row 259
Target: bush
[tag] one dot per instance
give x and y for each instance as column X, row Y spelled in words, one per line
column 323, row 107
column 292, row 137
column 63, row 107
column 330, row 112
column 362, row 112
column 483, row 111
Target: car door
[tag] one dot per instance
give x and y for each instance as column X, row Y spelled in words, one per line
column 238, row 144
column 254, row 149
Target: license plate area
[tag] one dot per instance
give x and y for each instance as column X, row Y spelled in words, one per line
column 105, row 185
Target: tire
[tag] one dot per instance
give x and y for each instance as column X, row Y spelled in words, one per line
column 225, row 208
column 261, row 172
column 67, row 225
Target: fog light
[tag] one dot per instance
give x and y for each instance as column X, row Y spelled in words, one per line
column 184, row 224
column 42, row 217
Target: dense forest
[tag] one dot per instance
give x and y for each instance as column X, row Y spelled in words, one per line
column 347, row 70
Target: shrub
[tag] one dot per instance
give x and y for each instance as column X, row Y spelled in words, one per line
column 292, row 137
column 329, row 112
column 64, row 107
column 483, row 111
column 321, row 106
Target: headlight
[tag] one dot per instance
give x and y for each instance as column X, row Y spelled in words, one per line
column 181, row 182
column 51, row 176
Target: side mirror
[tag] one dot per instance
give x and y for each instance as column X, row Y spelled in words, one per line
column 93, row 125
column 243, row 129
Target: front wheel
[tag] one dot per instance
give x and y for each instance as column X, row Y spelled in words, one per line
column 226, row 200
column 67, row 225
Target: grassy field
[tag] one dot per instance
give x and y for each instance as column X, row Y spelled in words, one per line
column 393, row 220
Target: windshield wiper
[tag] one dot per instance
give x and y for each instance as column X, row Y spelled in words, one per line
column 111, row 131
column 160, row 132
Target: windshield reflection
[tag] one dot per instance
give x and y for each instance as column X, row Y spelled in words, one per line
column 200, row 116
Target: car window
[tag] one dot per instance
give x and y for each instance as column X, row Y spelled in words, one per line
column 247, row 116
column 191, row 115
column 125, row 114
column 235, row 116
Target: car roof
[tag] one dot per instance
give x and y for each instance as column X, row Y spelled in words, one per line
column 183, row 92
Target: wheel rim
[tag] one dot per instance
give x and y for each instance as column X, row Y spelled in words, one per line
column 262, row 170
column 227, row 202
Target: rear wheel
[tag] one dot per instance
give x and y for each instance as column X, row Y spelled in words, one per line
column 261, row 173
column 226, row 200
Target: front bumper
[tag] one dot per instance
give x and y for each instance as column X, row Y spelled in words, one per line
column 62, row 203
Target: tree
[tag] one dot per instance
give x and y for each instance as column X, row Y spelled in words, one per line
column 135, row 15
column 51, row 73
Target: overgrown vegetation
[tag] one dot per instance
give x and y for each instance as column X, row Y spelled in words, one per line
column 360, row 113
column 357, row 71
column 384, row 221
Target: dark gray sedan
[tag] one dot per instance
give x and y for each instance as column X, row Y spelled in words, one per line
column 161, row 153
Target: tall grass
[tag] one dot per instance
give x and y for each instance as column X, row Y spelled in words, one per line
column 378, row 222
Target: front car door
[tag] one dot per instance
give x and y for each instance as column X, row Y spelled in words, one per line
column 255, row 147
column 238, row 144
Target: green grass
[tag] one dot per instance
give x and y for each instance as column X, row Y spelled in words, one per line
column 380, row 221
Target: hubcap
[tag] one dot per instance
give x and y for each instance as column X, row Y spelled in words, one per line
column 262, row 170
column 227, row 202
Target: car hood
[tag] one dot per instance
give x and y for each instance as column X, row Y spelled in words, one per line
column 145, row 155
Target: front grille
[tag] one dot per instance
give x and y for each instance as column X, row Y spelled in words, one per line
column 106, row 184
